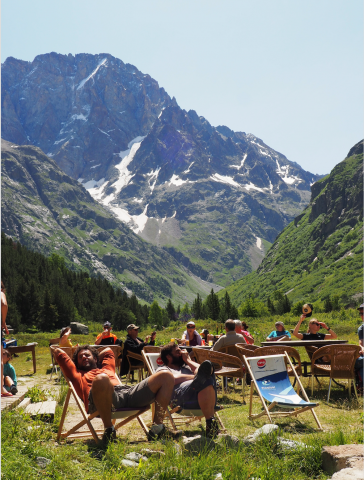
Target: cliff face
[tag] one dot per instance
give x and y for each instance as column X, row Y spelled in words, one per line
column 48, row 211
column 320, row 253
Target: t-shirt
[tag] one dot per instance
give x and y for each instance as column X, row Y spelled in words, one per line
column 82, row 381
column 276, row 334
column 313, row 336
column 197, row 340
column 65, row 343
column 360, row 331
column 9, row 371
column 185, row 370
column 109, row 340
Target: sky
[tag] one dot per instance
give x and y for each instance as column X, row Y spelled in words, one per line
column 290, row 72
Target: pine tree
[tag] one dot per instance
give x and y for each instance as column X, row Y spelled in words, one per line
column 197, row 308
column 327, row 304
column 48, row 315
column 171, row 312
column 270, row 306
column 155, row 315
column 286, row 305
column 213, row 305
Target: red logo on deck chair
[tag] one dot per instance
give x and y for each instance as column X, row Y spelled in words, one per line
column 261, row 363
column 159, row 361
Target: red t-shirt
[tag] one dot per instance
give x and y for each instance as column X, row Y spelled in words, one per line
column 82, row 381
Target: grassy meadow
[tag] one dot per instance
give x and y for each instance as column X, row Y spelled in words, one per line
column 24, row 439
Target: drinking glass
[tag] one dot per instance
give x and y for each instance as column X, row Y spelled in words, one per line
column 210, row 343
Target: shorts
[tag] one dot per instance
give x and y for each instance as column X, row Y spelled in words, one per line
column 186, row 397
column 125, row 396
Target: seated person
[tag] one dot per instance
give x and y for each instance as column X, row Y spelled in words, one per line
column 280, row 333
column 106, row 337
column 242, row 329
column 194, row 384
column 205, row 335
column 64, row 340
column 92, row 373
column 191, row 335
column 360, row 361
column 134, row 344
column 313, row 329
column 231, row 337
column 10, row 382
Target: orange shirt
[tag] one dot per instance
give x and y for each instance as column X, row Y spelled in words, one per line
column 82, row 381
column 111, row 335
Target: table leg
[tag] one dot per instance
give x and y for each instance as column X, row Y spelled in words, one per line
column 34, row 360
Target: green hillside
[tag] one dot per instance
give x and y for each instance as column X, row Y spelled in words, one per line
column 320, row 253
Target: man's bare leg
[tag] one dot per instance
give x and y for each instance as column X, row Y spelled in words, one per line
column 102, row 390
column 161, row 383
column 206, row 400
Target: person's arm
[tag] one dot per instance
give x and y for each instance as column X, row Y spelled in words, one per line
column 244, row 337
column 133, row 346
column 13, row 374
column 296, row 332
column 68, row 367
column 283, row 337
column 328, row 335
column 4, row 312
column 190, row 363
column 270, row 337
column 219, row 344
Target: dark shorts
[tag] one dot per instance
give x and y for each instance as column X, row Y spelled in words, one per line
column 186, row 397
column 125, row 396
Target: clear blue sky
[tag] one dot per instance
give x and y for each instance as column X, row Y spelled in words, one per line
column 288, row 71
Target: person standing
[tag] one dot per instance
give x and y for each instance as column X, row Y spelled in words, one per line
column 4, row 312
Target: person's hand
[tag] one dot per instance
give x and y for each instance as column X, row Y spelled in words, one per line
column 184, row 355
column 147, row 338
column 6, row 330
column 323, row 325
column 105, row 333
column 302, row 317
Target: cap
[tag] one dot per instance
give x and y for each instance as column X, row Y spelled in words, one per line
column 307, row 309
column 204, row 331
column 361, row 307
column 107, row 324
column 191, row 323
column 132, row 327
column 279, row 323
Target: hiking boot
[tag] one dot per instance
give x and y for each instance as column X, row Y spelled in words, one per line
column 212, row 428
column 205, row 371
column 13, row 390
column 109, row 435
column 156, row 432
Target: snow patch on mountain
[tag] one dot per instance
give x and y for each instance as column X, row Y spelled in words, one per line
column 189, row 168
column 251, row 186
column 242, row 162
column 82, row 83
column 224, row 179
column 259, row 243
column 175, row 180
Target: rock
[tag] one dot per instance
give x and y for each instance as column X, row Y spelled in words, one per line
column 231, row 441
column 218, row 476
column 129, row 463
column 348, row 474
column 197, row 443
column 79, row 328
column 290, row 444
column 135, row 457
column 178, row 449
column 343, row 456
column 265, row 430
column 153, row 453
column 43, row 462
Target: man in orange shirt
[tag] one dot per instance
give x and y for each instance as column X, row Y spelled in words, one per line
column 106, row 337
column 92, row 373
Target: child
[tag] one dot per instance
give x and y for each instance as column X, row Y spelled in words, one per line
column 64, row 340
column 10, row 382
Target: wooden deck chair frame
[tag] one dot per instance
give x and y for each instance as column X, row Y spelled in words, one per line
column 53, row 341
column 184, row 417
column 127, row 415
column 268, row 410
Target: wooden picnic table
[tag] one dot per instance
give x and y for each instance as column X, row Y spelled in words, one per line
column 304, row 343
column 25, row 348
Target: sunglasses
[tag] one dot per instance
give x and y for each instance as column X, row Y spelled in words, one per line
column 315, row 323
column 190, row 326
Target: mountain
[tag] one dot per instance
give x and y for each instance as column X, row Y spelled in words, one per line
column 320, row 253
column 49, row 212
column 213, row 198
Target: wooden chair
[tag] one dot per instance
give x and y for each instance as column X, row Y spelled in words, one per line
column 125, row 414
column 151, row 349
column 53, row 341
column 132, row 368
column 233, row 351
column 279, row 350
column 185, row 415
column 248, row 347
column 342, row 363
column 270, row 379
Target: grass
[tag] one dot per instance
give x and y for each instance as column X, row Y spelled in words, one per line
column 342, row 420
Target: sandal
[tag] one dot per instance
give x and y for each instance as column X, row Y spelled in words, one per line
column 7, row 394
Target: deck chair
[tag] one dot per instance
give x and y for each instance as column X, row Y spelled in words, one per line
column 69, row 351
column 117, row 349
column 280, row 349
column 185, row 415
column 270, row 378
column 125, row 414
column 53, row 341
column 342, row 363
column 233, row 351
column 248, row 352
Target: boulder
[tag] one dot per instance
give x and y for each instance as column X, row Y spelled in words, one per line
column 129, row 463
column 231, row 441
column 152, row 453
column 43, row 462
column 341, row 457
column 197, row 443
column 290, row 444
column 348, row 474
column 79, row 328
column 265, row 430
column 135, row 457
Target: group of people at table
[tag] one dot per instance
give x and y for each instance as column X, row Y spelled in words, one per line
column 179, row 381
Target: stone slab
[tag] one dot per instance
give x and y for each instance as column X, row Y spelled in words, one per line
column 339, row 457
column 42, row 408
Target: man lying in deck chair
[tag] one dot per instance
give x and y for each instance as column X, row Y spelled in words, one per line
column 194, row 384
column 92, row 373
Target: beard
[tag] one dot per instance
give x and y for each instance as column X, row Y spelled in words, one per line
column 178, row 361
column 87, row 368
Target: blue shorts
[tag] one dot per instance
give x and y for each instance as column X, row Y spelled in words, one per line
column 186, row 397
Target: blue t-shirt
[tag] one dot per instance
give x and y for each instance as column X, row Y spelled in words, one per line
column 9, row 371
column 360, row 331
column 276, row 334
